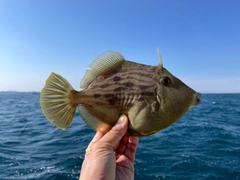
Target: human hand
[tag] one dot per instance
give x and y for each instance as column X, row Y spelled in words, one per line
column 110, row 156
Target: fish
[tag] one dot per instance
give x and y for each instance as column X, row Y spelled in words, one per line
column 150, row 96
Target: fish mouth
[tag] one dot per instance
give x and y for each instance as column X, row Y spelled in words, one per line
column 198, row 99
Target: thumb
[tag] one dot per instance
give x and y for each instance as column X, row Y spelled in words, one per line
column 117, row 132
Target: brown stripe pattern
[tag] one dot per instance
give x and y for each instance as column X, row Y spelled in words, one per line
column 123, row 84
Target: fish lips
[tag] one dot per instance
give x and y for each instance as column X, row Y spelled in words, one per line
column 198, row 99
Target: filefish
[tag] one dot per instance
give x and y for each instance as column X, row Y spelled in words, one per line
column 150, row 96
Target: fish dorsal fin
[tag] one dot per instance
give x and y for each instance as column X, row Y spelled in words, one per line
column 92, row 121
column 99, row 65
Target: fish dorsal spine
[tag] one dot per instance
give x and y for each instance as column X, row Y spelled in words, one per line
column 99, row 65
column 160, row 57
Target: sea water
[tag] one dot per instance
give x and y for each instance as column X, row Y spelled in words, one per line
column 203, row 144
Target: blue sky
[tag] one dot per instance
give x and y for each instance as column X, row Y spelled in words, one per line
column 199, row 40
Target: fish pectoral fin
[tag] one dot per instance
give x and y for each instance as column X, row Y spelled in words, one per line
column 92, row 121
column 99, row 65
column 55, row 103
column 155, row 106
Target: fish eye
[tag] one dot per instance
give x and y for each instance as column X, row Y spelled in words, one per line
column 165, row 81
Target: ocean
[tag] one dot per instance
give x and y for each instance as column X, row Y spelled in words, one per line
column 203, row 144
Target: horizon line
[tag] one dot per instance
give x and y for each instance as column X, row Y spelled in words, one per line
column 15, row 91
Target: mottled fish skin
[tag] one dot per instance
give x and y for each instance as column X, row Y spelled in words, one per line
column 150, row 96
column 135, row 90
column 124, row 87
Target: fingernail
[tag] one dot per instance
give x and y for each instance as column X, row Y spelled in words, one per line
column 121, row 119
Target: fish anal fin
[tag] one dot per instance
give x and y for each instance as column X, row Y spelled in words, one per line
column 92, row 121
column 99, row 65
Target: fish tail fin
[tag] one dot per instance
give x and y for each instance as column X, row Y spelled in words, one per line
column 55, row 101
